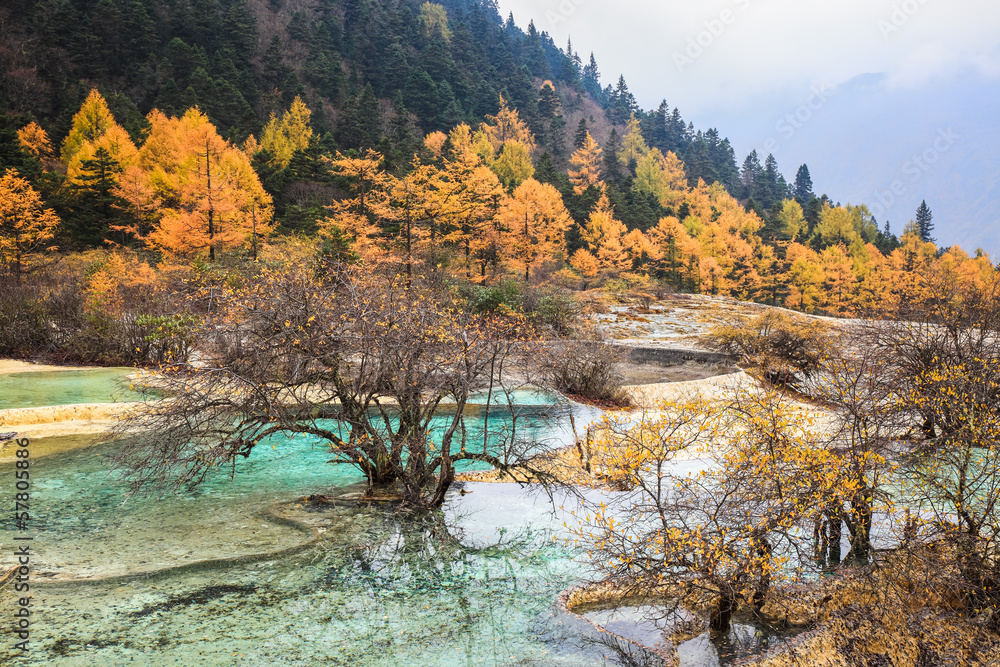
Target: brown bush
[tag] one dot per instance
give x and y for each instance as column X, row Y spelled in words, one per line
column 782, row 345
column 588, row 369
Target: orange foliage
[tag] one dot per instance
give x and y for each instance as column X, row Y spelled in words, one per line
column 115, row 283
column 533, row 226
column 587, row 161
column 211, row 197
column 26, row 228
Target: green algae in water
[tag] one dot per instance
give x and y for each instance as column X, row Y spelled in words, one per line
column 44, row 388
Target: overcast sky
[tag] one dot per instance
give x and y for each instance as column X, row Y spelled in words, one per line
column 714, row 56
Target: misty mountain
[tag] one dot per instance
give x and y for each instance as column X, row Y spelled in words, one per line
column 868, row 141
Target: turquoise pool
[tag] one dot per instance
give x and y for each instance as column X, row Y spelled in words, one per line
column 124, row 581
column 40, row 388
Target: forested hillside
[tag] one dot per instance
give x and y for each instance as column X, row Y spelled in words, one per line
column 375, row 75
column 432, row 138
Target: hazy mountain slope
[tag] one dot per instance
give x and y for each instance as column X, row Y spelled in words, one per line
column 940, row 143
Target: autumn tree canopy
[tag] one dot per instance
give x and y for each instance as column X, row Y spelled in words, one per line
column 534, row 223
column 212, row 199
column 26, row 227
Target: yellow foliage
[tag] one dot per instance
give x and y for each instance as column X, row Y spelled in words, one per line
column 633, row 144
column 435, row 142
column 507, row 126
column 661, row 176
column 513, row 166
column 434, row 22
column 533, row 221
column 35, row 140
column 603, row 234
column 587, row 163
column 111, row 284
column 94, row 128
column 283, row 136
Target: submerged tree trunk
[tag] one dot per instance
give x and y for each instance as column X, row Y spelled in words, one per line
column 721, row 617
column 764, row 580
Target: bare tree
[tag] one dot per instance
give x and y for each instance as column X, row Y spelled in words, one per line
column 381, row 373
column 865, row 422
column 941, row 361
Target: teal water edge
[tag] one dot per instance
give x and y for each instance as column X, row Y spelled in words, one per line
column 238, row 572
column 35, row 389
column 474, row 584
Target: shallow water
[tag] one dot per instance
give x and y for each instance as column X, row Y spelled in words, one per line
column 375, row 591
column 34, row 389
column 647, row 626
column 473, row 584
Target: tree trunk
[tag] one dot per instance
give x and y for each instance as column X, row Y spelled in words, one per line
column 211, row 211
column 721, row 617
column 821, row 540
column 835, row 531
column 764, row 581
column 861, row 529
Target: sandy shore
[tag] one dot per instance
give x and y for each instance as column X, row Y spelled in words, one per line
column 18, row 366
column 55, row 423
column 708, row 389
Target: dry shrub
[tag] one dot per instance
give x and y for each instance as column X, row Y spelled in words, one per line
column 781, row 345
column 588, row 369
column 23, row 317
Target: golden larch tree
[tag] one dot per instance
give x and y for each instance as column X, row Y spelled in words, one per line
column 791, row 220
column 838, row 280
column 633, row 144
column 643, row 252
column 661, row 176
column 283, row 136
column 533, row 223
column 677, row 250
column 139, row 200
column 475, row 193
column 507, row 126
column 360, row 215
column 586, row 166
column 212, row 198
column 434, row 22
column 26, row 226
column 586, row 265
column 805, row 278
column 836, row 225
column 35, row 141
column 434, row 142
column 603, row 235
column 513, row 165
column 95, row 128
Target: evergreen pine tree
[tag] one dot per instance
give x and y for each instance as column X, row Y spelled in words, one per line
column 546, row 172
column 924, row 224
column 592, row 78
column 95, row 205
column 803, row 188
column 420, row 96
column 750, row 175
column 612, row 167
column 548, row 101
column 580, row 138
